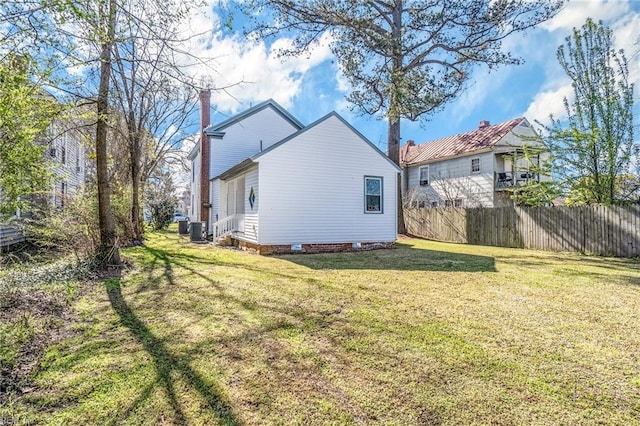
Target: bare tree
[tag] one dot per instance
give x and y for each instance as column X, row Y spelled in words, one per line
column 124, row 58
column 155, row 96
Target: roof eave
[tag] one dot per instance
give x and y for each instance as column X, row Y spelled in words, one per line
column 194, row 151
column 450, row 157
column 213, row 133
column 249, row 112
column 235, row 170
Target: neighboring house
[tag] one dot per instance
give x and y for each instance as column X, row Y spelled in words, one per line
column 474, row 169
column 278, row 186
column 67, row 158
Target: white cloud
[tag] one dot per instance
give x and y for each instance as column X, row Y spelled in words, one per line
column 247, row 71
column 626, row 33
column 549, row 102
column 576, row 12
column 262, row 73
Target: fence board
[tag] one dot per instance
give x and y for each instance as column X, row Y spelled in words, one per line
column 10, row 235
column 600, row 230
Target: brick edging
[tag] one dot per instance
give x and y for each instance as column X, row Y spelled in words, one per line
column 266, row 250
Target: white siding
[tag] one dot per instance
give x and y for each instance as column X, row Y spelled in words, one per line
column 519, row 136
column 242, row 139
column 68, row 165
column 452, row 179
column 215, row 200
column 195, row 188
column 312, row 189
column 251, row 214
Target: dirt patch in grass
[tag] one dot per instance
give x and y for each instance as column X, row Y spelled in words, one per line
column 35, row 313
column 28, row 327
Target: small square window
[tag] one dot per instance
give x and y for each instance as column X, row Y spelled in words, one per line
column 372, row 194
column 475, row 165
column 434, row 204
column 457, row 202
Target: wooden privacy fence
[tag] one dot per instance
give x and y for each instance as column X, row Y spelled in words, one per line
column 601, row 230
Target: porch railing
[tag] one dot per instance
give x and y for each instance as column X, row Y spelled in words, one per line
column 506, row 180
column 226, row 226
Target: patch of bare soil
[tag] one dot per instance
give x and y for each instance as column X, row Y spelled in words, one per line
column 49, row 316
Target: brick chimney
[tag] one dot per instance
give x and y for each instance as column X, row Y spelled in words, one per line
column 205, row 121
column 483, row 124
column 404, row 149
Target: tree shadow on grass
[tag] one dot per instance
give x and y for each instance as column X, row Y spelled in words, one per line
column 404, row 257
column 165, row 364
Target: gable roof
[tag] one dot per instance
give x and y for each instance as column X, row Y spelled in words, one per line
column 216, row 130
column 482, row 139
column 317, row 122
column 245, row 164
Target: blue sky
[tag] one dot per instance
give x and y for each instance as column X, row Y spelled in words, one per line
column 311, row 86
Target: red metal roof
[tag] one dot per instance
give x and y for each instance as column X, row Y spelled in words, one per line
column 463, row 143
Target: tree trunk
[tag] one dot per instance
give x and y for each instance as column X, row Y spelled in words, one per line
column 108, row 251
column 135, row 141
column 136, row 216
column 393, row 138
column 393, row 141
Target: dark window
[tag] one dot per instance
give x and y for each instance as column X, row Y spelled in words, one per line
column 457, row 202
column 63, row 191
column 63, row 155
column 424, row 176
column 475, row 165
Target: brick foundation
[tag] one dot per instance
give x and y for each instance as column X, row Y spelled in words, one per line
column 267, row 250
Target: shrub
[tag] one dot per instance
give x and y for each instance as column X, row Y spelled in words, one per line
column 161, row 213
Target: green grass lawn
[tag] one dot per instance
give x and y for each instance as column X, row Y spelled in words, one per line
column 427, row 333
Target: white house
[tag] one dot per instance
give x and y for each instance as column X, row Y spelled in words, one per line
column 278, row 186
column 479, row 168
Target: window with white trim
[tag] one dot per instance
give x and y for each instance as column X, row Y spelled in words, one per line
column 475, row 165
column 372, row 194
column 424, row 176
